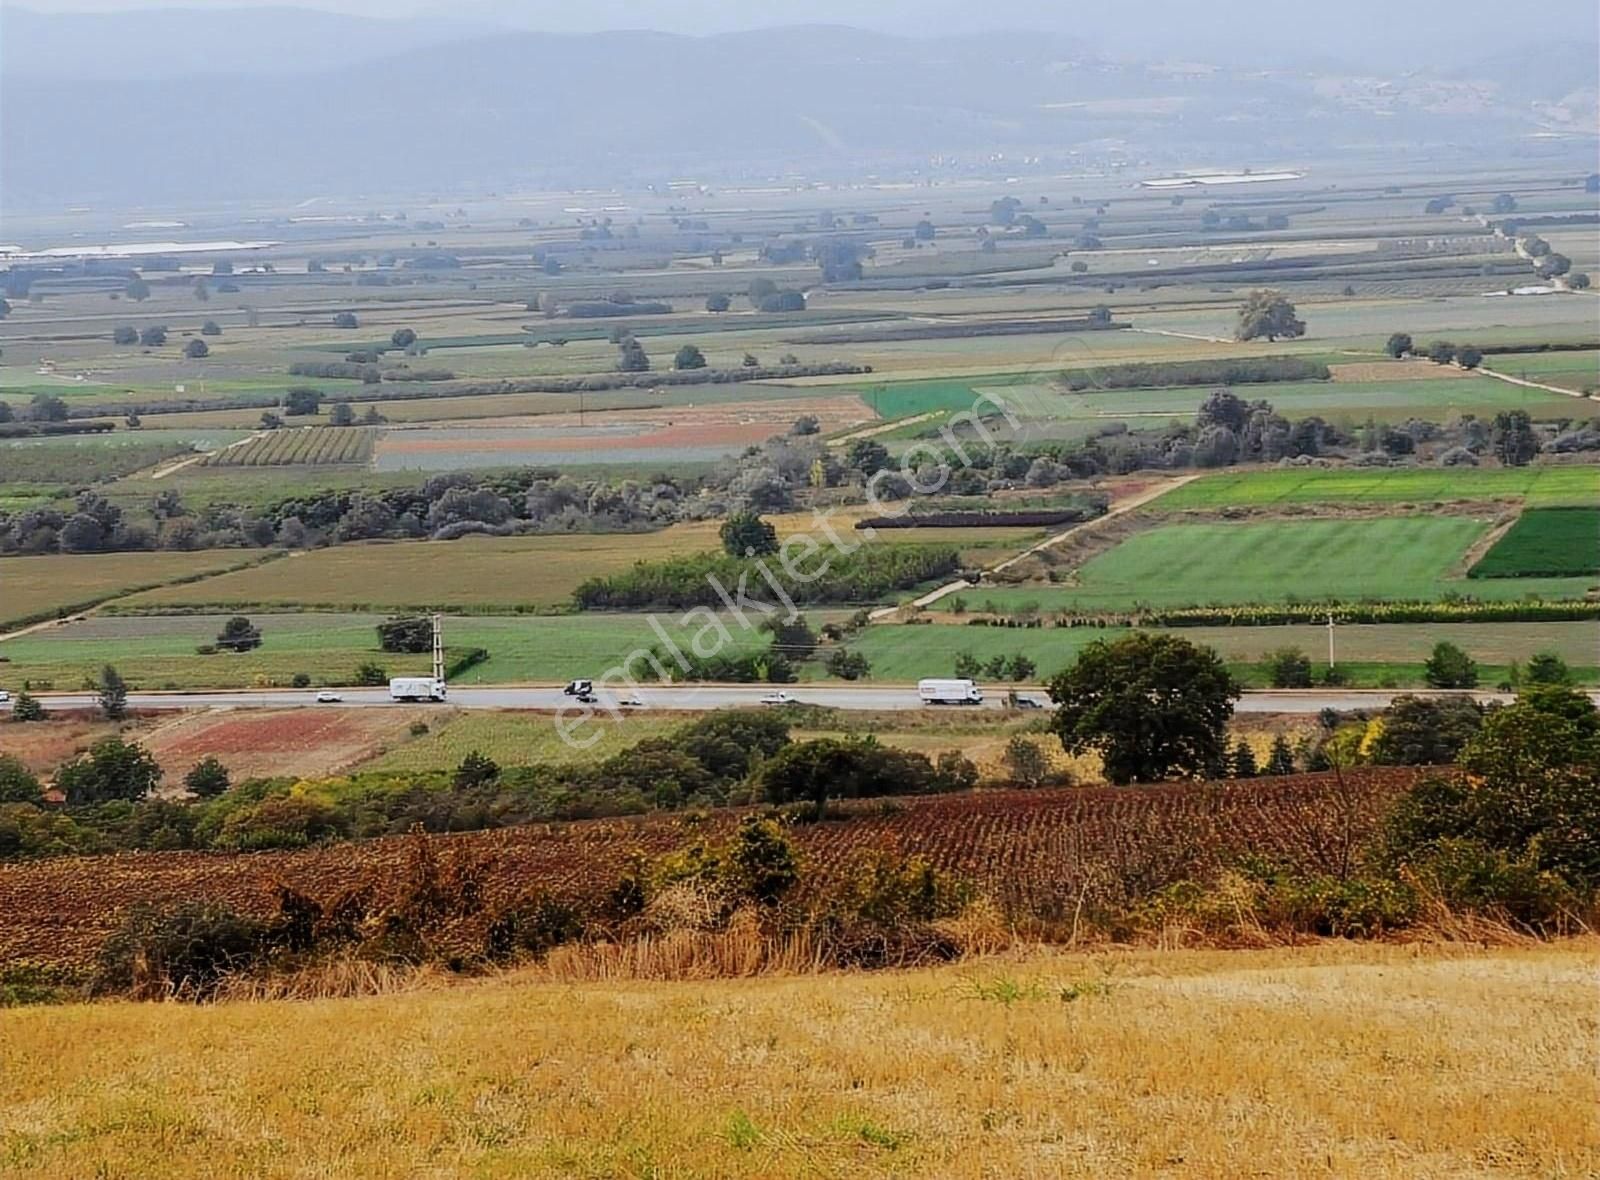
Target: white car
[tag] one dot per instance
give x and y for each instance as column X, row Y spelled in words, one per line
column 328, row 697
column 4, row 696
column 777, row 698
column 631, row 702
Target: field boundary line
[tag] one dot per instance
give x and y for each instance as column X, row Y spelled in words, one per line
column 1508, row 378
column 1129, row 505
column 163, row 472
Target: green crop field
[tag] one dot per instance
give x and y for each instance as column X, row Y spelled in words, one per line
column 904, row 652
column 1577, row 370
column 159, row 651
column 1546, row 543
column 33, row 587
column 1173, row 565
column 1315, row 485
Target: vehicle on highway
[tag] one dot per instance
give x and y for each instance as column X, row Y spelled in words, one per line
column 416, row 688
column 579, row 688
column 949, row 692
column 4, row 696
column 328, row 697
column 1029, row 703
column 631, row 702
column 778, row 698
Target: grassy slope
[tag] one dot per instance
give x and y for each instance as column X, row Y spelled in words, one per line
column 1236, row 1062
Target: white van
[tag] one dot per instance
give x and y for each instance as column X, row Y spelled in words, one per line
column 949, row 692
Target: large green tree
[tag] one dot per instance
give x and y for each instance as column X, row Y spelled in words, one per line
column 1153, row 707
column 1270, row 314
column 112, row 770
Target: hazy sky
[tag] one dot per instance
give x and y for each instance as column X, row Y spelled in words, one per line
column 1377, row 34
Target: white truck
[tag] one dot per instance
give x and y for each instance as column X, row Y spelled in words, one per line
column 949, row 692
column 416, row 688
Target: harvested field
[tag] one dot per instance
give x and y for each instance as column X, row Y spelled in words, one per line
column 1032, row 851
column 39, row 587
column 1414, row 370
column 514, row 572
column 671, row 433
column 1343, row 1060
column 268, row 743
column 43, row 746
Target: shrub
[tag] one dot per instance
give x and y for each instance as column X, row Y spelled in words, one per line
column 183, row 951
column 1289, row 667
column 535, row 925
column 281, row 821
column 207, row 778
column 17, row 782
column 833, row 768
column 413, row 634
column 1546, row 667
column 1423, row 731
column 847, row 664
column 26, row 707
column 300, row 680
column 476, row 770
column 371, row 675
column 1025, row 762
column 1450, row 667
column 239, row 634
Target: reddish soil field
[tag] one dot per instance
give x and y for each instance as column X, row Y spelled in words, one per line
column 300, row 742
column 1029, row 850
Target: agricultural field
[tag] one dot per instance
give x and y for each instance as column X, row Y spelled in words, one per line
column 1577, row 370
column 1544, row 543
column 1321, row 485
column 518, row 573
column 678, row 434
column 269, row 743
column 514, row 738
column 1028, row 850
column 1199, row 564
column 310, row 446
column 90, row 458
column 1372, row 654
column 59, row 584
column 158, row 651
column 954, row 1071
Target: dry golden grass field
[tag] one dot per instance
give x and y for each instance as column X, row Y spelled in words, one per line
column 1356, row 1060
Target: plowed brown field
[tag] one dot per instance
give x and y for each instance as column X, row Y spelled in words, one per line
column 1030, row 850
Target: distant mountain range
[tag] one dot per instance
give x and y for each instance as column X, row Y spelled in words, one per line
column 284, row 102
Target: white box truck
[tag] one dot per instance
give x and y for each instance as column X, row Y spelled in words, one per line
column 416, row 688
column 949, row 692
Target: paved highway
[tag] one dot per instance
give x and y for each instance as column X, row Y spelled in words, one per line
column 702, row 697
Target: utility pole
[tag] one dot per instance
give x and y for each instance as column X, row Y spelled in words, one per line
column 1330, row 639
column 438, row 648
